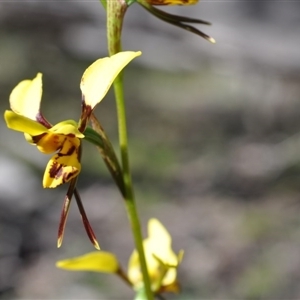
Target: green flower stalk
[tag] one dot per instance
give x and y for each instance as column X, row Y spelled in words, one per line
column 115, row 15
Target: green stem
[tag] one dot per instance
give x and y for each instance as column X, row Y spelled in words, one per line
column 115, row 13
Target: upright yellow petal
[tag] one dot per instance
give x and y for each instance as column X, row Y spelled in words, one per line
column 158, row 233
column 99, row 261
column 161, row 260
column 26, row 97
column 99, row 76
column 159, row 242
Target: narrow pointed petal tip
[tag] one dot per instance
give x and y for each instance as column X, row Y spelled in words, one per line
column 96, row 244
column 64, row 214
column 212, row 40
column 59, row 241
column 87, row 226
column 90, row 233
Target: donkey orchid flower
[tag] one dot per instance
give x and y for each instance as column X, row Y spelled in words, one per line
column 161, row 260
column 64, row 138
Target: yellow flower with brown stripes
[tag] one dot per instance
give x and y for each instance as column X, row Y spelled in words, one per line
column 64, row 138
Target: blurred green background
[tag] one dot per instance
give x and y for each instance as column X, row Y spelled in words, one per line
column 214, row 147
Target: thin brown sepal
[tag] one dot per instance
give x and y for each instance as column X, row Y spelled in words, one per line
column 171, row 17
column 65, row 212
column 86, row 223
column 194, row 30
column 178, row 21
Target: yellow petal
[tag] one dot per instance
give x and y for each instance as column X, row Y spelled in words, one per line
column 59, row 171
column 160, row 242
column 99, row 76
column 157, row 232
column 64, row 165
column 68, row 127
column 99, row 261
column 57, row 136
column 172, row 2
column 23, row 124
column 159, row 245
column 49, row 142
column 161, row 260
column 26, row 97
column 134, row 270
column 170, row 276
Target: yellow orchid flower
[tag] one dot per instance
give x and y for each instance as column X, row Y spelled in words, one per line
column 26, row 117
column 64, row 138
column 161, row 260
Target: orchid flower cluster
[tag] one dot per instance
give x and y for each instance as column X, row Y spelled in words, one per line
column 152, row 266
column 65, row 140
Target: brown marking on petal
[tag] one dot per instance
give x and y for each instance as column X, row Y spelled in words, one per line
column 86, row 111
column 61, row 171
column 70, row 152
column 56, row 141
column 42, row 120
column 67, row 176
column 37, row 138
column 55, row 170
